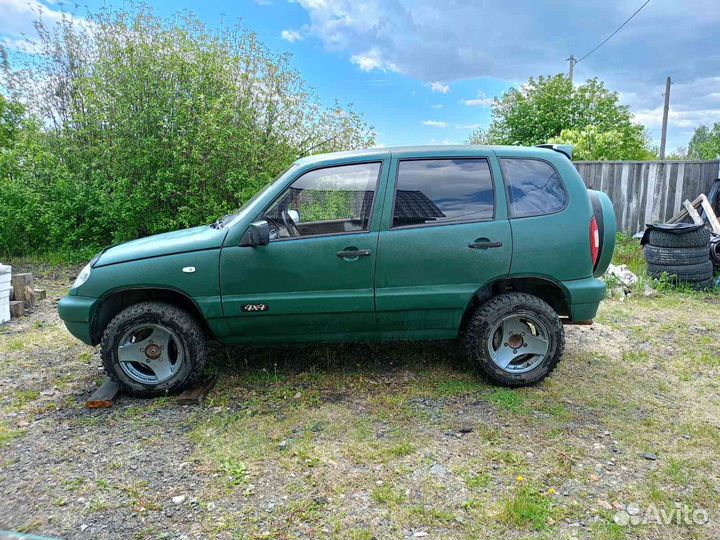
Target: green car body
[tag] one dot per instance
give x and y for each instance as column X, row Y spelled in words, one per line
column 412, row 283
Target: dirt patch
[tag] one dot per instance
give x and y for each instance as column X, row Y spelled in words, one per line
column 371, row 442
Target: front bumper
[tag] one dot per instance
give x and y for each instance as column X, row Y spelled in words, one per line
column 77, row 312
column 584, row 296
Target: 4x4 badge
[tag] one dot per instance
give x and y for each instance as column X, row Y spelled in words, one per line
column 255, row 307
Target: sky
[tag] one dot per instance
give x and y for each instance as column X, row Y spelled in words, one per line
column 426, row 71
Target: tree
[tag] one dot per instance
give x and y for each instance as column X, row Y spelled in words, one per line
column 156, row 124
column 589, row 114
column 705, row 143
column 590, row 143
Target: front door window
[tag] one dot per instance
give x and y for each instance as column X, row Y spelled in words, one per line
column 332, row 200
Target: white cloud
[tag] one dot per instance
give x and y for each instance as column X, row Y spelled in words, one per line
column 435, row 123
column 480, row 101
column 434, row 41
column 436, row 106
column 372, row 59
column 692, row 103
column 439, row 87
column 291, row 35
column 17, row 16
column 445, row 141
column 17, row 29
column 442, row 124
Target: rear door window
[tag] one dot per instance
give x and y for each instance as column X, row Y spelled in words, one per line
column 534, row 187
column 440, row 191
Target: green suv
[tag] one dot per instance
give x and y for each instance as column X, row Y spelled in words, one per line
column 497, row 246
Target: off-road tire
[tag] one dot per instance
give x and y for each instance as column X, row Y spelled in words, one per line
column 699, row 238
column 676, row 256
column 489, row 313
column 185, row 327
column 689, row 272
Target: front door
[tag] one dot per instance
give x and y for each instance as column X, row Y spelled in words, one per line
column 314, row 280
column 445, row 234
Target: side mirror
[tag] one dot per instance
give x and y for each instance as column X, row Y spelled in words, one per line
column 258, row 234
column 294, row 216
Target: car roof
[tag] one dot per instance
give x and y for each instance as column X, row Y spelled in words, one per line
column 430, row 151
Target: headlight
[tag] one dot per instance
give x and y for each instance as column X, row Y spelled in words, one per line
column 83, row 275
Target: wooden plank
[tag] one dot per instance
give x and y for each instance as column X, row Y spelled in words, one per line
column 103, row 397
column 683, row 214
column 196, row 394
column 17, row 308
column 20, row 285
column 697, row 220
column 712, row 218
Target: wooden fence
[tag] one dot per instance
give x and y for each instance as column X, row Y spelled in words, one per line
column 648, row 191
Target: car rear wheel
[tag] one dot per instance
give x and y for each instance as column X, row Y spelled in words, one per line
column 515, row 339
column 153, row 348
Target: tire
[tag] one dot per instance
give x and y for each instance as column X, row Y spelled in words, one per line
column 508, row 310
column 715, row 250
column 676, row 256
column 702, row 285
column 180, row 345
column 699, row 238
column 690, row 272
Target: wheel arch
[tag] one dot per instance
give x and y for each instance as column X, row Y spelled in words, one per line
column 549, row 291
column 116, row 301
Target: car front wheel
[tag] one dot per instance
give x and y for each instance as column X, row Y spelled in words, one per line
column 515, row 339
column 153, row 348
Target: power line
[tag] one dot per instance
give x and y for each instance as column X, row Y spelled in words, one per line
column 615, row 32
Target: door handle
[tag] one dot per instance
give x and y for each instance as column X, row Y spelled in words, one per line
column 485, row 245
column 354, row 253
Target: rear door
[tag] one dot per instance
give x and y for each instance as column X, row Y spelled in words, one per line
column 444, row 234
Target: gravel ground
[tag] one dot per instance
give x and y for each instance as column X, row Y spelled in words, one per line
column 386, row 441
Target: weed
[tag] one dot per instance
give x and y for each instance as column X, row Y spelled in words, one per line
column 507, row 399
column 458, row 387
column 527, row 507
column 478, row 481
column 236, row 471
column 387, row 495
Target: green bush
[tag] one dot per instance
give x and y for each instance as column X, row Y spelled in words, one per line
column 131, row 124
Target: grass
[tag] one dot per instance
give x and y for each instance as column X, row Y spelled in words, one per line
column 387, row 495
column 527, row 508
column 506, row 399
column 628, row 251
column 7, row 434
column 55, row 258
column 346, row 442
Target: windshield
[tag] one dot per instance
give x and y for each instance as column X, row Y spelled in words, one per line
column 231, row 219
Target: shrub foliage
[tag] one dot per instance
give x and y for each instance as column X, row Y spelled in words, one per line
column 124, row 124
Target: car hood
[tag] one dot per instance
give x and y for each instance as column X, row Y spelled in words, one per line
column 194, row 239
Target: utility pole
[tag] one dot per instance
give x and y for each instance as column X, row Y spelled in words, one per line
column 571, row 68
column 666, row 109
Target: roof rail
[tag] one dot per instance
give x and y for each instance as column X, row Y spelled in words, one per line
column 566, row 149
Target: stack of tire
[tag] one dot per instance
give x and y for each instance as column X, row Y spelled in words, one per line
column 685, row 257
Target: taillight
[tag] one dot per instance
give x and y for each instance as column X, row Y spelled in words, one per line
column 594, row 241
